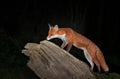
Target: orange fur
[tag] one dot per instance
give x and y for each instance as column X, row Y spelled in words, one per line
column 69, row 37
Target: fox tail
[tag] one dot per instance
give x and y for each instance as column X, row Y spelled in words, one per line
column 102, row 62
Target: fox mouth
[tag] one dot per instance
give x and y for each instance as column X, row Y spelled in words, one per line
column 62, row 37
column 48, row 38
column 51, row 37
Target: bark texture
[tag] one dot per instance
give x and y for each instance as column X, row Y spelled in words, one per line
column 49, row 61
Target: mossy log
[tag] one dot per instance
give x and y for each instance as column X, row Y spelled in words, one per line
column 49, row 61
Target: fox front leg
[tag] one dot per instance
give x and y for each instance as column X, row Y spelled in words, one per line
column 63, row 44
column 69, row 46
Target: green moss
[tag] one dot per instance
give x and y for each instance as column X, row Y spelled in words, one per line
column 109, row 76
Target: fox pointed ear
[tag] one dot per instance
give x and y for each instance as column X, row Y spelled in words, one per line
column 49, row 25
column 56, row 27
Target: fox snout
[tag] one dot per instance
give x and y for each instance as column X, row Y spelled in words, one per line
column 48, row 38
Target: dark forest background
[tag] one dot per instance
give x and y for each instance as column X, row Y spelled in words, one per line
column 24, row 21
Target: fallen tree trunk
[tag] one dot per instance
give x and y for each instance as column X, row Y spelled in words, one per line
column 49, row 61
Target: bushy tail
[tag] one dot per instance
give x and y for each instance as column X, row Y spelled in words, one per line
column 102, row 62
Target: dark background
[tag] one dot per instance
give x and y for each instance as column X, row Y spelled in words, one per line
column 24, row 21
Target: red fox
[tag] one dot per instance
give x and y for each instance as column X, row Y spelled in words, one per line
column 69, row 37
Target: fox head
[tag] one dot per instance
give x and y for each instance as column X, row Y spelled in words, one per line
column 55, row 32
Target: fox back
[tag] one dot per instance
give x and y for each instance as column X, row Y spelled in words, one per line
column 69, row 37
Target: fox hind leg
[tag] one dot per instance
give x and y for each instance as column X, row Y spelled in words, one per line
column 97, row 64
column 89, row 58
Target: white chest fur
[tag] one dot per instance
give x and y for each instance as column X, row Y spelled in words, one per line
column 62, row 37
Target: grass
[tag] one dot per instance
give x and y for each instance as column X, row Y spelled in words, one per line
column 111, row 75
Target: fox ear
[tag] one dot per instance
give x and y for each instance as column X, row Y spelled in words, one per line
column 56, row 27
column 49, row 25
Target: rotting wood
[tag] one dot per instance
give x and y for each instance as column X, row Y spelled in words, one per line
column 49, row 61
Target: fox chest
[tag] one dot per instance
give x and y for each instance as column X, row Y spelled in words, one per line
column 62, row 37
